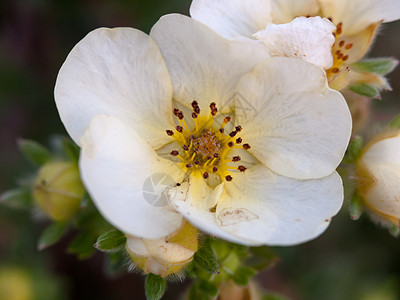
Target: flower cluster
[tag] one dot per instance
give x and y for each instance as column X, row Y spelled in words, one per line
column 236, row 111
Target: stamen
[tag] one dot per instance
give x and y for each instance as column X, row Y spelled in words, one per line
column 246, row 147
column 215, row 169
column 221, row 130
column 228, row 178
column 189, row 166
column 238, row 128
column 233, row 133
column 180, row 115
column 176, row 111
column 185, row 147
column 194, row 115
column 230, row 144
column 349, row 46
column 242, row 168
column 174, row 153
column 239, row 140
column 341, row 44
column 205, row 175
column 236, row 158
column 346, row 57
column 179, row 128
column 169, row 132
column 335, row 70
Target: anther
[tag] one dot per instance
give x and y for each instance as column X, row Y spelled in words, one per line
column 214, row 111
column 179, row 128
column 196, row 110
column 238, row 128
column 174, row 153
column 215, row 169
column 239, row 140
column 176, row 111
column 213, row 105
column 205, row 175
column 194, row 115
column 236, row 158
column 195, row 103
column 349, row 46
column 196, row 162
column 233, row 133
column 242, row 168
column 230, row 144
column 227, row 119
column 335, row 70
column 346, row 57
column 228, row 178
column 180, row 115
column 246, row 147
column 186, row 148
column 169, row 132
column 341, row 43
column 221, row 130
column 330, row 19
column 216, row 155
column 189, row 166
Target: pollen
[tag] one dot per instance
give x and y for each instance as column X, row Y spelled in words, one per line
column 205, row 148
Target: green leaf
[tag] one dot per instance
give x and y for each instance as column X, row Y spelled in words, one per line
column 34, row 152
column 20, row 198
column 71, row 149
column 206, row 258
column 354, row 150
column 111, row 241
column 52, row 234
column 209, row 288
column 82, row 244
column 394, row 230
column 381, row 65
column 243, row 275
column 395, row 123
column 273, row 296
column 356, row 207
column 261, row 258
column 154, row 287
column 195, row 293
column 365, row 89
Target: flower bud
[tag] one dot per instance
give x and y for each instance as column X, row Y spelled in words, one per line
column 164, row 256
column 378, row 177
column 15, row 284
column 58, row 190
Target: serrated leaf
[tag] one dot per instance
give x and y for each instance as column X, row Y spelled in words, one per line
column 356, row 207
column 20, row 198
column 111, row 241
column 34, row 152
column 209, row 288
column 354, row 150
column 381, row 66
column 395, row 123
column 52, row 234
column 154, row 287
column 206, row 258
column 365, row 89
column 71, row 149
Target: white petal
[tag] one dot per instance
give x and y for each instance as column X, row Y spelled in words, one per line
column 191, row 199
column 356, row 15
column 203, row 65
column 118, row 72
column 232, row 18
column 382, row 161
column 126, row 179
column 284, row 11
column 310, row 39
column 274, row 210
column 295, row 125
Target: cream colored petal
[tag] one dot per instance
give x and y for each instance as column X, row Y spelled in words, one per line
column 203, row 65
column 356, row 15
column 118, row 72
column 127, row 180
column 310, row 39
column 295, row 125
column 274, row 210
column 284, row 11
column 191, row 199
column 381, row 190
column 232, row 18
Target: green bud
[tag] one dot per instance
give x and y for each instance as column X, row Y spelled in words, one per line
column 58, row 190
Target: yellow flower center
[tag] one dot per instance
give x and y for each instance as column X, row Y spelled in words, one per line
column 205, row 148
column 340, row 53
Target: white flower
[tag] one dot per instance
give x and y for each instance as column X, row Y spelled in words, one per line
column 252, row 144
column 356, row 21
column 378, row 177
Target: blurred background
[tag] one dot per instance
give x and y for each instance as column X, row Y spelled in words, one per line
column 352, row 260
